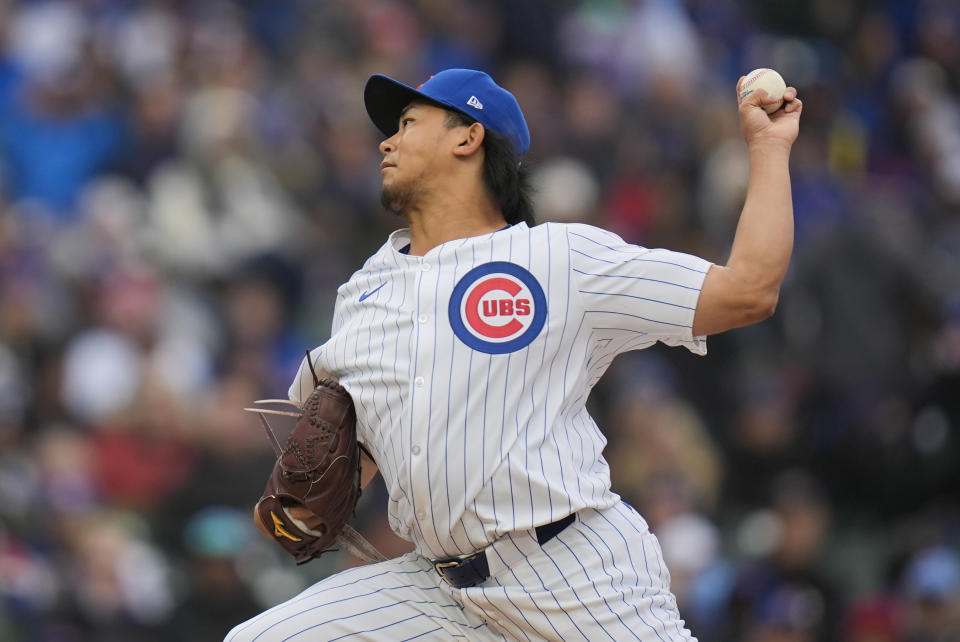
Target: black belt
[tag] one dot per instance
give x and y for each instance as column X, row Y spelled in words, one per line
column 465, row 571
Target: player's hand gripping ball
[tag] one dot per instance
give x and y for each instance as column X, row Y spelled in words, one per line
column 315, row 484
column 767, row 80
column 770, row 116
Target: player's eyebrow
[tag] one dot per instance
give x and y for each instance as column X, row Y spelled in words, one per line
column 408, row 108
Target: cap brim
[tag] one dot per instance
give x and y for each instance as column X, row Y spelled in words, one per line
column 385, row 99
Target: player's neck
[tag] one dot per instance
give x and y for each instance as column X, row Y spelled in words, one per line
column 455, row 216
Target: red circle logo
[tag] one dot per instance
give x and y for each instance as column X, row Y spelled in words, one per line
column 498, row 308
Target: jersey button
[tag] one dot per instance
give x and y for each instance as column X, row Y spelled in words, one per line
column 425, row 267
column 423, row 318
column 421, row 515
column 418, row 381
column 415, row 450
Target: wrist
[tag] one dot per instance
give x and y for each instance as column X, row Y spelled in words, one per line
column 769, row 146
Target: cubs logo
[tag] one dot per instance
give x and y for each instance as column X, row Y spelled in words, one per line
column 497, row 308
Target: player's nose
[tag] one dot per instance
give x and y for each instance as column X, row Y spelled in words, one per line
column 387, row 145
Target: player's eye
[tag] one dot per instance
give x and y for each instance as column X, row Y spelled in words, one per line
column 404, row 121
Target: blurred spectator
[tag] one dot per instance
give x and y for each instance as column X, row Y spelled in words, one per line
column 783, row 594
column 931, row 587
column 60, row 129
column 665, row 461
column 876, row 620
column 215, row 538
column 117, row 584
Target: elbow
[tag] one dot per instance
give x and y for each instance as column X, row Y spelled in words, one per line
column 757, row 307
column 764, row 306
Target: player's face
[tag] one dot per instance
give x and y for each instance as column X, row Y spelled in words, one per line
column 414, row 158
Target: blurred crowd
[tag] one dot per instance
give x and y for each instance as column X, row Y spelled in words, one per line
column 183, row 185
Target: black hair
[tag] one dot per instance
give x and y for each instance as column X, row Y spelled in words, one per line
column 504, row 176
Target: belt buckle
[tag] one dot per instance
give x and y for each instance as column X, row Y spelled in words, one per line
column 454, row 562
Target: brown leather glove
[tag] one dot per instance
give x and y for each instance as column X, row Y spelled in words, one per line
column 318, row 468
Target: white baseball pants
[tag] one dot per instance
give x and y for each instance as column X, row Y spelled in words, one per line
column 602, row 578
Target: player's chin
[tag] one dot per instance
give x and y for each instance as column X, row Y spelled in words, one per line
column 391, row 199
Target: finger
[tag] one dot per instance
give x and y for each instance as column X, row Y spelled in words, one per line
column 795, row 105
column 789, row 94
column 759, row 98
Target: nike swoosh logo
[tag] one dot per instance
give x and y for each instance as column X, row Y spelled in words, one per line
column 367, row 295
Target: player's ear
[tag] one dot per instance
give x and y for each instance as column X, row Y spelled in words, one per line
column 471, row 139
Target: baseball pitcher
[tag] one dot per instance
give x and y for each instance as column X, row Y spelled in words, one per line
column 461, row 356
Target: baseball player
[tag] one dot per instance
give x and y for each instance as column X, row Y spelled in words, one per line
column 469, row 343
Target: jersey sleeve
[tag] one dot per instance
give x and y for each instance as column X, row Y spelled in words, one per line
column 302, row 384
column 651, row 293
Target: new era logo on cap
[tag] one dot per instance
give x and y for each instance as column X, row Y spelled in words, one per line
column 473, row 102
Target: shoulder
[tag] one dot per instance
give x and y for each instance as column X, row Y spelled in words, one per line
column 581, row 232
column 376, row 266
column 581, row 238
column 561, row 230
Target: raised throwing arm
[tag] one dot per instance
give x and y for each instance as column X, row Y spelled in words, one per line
column 746, row 289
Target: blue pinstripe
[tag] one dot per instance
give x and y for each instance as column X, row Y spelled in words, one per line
column 412, row 425
column 623, row 330
column 473, row 544
column 391, row 467
column 346, row 599
column 597, row 590
column 352, row 633
column 467, row 597
column 376, row 409
column 446, row 433
column 613, row 586
column 546, row 381
column 679, row 265
column 637, row 316
column 526, row 449
column 563, row 330
column 483, row 432
column 562, row 576
column 635, row 278
column 660, row 570
column 419, row 635
column 615, row 249
column 646, row 562
column 532, row 601
column 503, row 422
column 433, row 373
column 639, row 298
column 300, row 598
column 635, row 258
column 543, row 585
column 523, row 630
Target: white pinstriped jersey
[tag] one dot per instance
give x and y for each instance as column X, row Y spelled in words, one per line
column 470, row 367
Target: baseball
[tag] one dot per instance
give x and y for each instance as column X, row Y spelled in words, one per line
column 768, row 80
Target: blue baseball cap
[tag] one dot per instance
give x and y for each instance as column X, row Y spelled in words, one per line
column 467, row 91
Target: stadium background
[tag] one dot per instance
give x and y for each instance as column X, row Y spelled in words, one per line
column 184, row 184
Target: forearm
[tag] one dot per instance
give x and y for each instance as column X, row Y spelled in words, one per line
column 764, row 238
column 746, row 289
